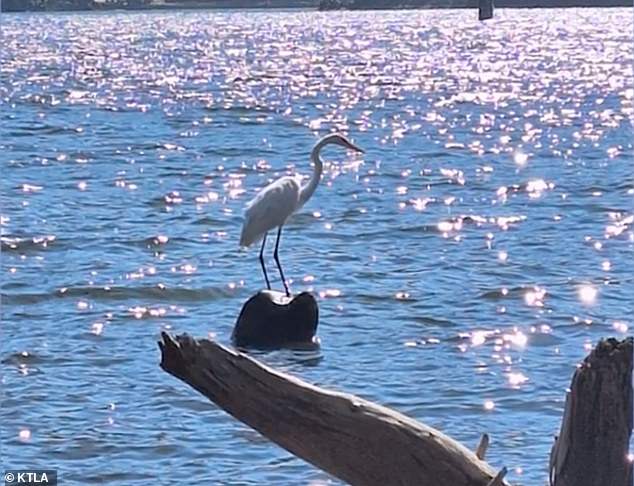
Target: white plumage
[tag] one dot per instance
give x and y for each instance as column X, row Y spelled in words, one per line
column 273, row 205
column 270, row 209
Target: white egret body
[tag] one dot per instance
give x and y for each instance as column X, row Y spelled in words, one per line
column 272, row 206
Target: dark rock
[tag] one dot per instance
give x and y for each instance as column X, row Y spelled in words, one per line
column 270, row 319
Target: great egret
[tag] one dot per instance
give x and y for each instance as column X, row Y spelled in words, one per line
column 272, row 206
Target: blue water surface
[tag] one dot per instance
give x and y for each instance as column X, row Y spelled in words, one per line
column 463, row 265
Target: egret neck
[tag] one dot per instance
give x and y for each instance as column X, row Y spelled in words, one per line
column 309, row 188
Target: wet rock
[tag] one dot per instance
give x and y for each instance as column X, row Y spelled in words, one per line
column 270, row 319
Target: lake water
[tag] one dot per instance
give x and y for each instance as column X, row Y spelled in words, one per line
column 463, row 266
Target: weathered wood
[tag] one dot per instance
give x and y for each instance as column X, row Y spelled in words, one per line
column 351, row 438
column 592, row 446
column 269, row 319
column 498, row 480
column 366, row 444
column 481, row 450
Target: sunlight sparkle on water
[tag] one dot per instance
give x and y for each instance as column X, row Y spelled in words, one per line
column 445, row 226
column 520, row 158
column 489, row 405
column 536, row 187
column 207, row 198
column 516, row 379
column 329, row 293
column 97, row 328
column 188, row 268
column 587, row 294
column 620, row 326
column 517, row 338
column 535, row 297
column 504, row 222
column 24, row 435
column 138, row 312
column 31, row 188
column 454, row 175
column 82, row 305
column 478, row 338
column 420, row 204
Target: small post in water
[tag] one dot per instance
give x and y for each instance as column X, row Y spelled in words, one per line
column 485, row 9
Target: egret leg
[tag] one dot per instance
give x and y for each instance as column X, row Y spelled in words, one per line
column 266, row 277
column 277, row 260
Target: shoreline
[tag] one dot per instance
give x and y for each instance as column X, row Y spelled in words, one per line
column 314, row 6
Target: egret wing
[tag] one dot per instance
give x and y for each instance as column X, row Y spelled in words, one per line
column 269, row 209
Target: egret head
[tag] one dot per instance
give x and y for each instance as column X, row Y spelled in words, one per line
column 338, row 139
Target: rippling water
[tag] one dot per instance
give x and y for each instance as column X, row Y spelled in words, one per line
column 463, row 265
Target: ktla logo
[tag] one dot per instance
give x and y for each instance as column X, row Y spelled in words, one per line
column 32, row 477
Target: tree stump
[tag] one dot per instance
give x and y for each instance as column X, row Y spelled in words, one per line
column 270, row 319
column 593, row 443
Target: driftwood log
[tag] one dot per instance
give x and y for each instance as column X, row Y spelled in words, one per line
column 366, row 444
column 351, row 438
column 591, row 449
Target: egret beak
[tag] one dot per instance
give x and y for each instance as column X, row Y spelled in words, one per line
column 352, row 146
